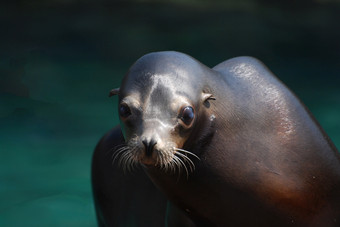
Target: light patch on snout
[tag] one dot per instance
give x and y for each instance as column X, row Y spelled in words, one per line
column 166, row 156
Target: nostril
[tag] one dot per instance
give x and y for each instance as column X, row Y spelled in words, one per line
column 145, row 144
column 149, row 146
column 152, row 144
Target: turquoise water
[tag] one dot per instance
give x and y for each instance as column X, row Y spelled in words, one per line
column 59, row 61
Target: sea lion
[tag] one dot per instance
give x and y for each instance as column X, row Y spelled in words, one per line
column 228, row 146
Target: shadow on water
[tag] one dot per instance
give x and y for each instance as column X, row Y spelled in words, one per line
column 59, row 60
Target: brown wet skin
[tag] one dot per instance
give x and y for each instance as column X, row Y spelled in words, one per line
column 228, row 146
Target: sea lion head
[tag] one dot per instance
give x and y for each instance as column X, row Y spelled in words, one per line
column 160, row 105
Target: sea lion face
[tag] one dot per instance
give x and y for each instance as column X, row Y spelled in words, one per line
column 156, row 119
column 159, row 106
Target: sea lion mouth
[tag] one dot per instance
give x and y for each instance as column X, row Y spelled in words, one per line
column 148, row 160
column 168, row 158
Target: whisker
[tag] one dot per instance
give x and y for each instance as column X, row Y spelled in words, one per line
column 174, row 165
column 118, row 153
column 188, row 160
column 177, row 164
column 185, row 167
column 122, row 161
column 187, row 152
column 159, row 161
column 130, row 163
column 115, row 148
column 127, row 164
column 164, row 165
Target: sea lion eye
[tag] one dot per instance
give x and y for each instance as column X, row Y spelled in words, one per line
column 124, row 110
column 187, row 115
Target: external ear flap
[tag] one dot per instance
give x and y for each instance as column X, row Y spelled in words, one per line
column 207, row 96
column 114, row 92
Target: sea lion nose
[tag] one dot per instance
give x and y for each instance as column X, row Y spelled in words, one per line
column 149, row 145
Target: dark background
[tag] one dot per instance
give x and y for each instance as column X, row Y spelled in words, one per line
column 60, row 58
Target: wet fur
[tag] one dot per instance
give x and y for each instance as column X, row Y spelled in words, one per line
column 264, row 161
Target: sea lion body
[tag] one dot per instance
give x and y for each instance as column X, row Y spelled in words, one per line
column 256, row 155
